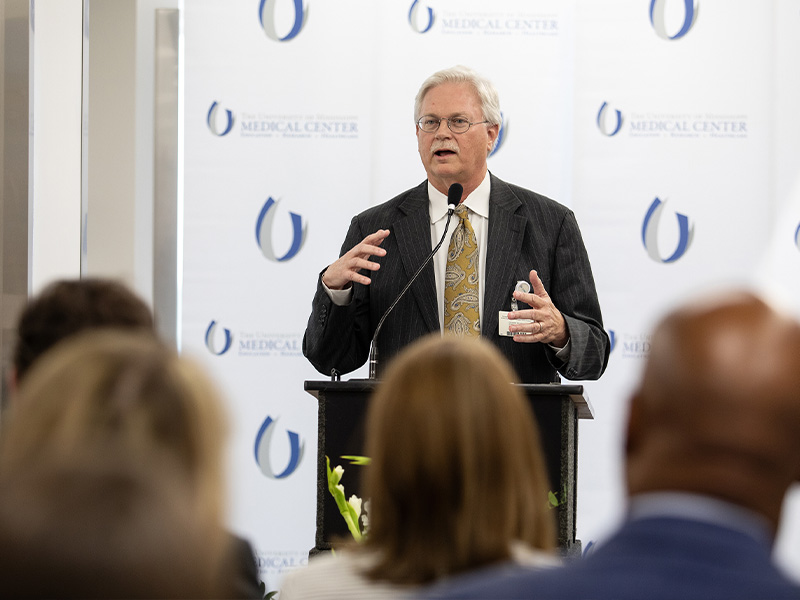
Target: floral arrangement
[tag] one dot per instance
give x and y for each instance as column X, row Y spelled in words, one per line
column 354, row 511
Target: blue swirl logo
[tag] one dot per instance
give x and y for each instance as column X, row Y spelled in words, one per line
column 797, row 237
column 212, row 342
column 612, row 337
column 658, row 18
column 650, row 233
column 501, row 134
column 264, row 443
column 266, row 15
column 421, row 18
column 212, row 120
column 264, row 228
column 606, row 128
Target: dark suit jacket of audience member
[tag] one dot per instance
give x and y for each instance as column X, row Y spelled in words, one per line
column 653, row 558
column 526, row 231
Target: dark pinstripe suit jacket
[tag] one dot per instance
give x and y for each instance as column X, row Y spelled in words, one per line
column 526, row 231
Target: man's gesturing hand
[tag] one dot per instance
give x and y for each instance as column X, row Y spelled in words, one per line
column 346, row 269
column 548, row 327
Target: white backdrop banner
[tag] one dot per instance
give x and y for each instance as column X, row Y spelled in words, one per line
column 669, row 126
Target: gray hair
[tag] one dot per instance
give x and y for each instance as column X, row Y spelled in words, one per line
column 487, row 94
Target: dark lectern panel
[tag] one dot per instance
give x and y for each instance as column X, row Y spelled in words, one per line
column 343, row 404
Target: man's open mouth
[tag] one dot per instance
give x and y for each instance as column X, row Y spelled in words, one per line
column 443, row 152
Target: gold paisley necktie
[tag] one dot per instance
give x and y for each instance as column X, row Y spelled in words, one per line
column 461, row 280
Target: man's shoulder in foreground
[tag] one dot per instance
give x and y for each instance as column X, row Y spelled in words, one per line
column 657, row 559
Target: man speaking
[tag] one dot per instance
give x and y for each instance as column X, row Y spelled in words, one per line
column 512, row 266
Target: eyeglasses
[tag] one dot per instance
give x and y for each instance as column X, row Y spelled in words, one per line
column 431, row 124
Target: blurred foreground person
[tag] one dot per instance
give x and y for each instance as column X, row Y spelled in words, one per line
column 98, row 525
column 69, row 307
column 457, row 479
column 713, row 445
column 127, row 391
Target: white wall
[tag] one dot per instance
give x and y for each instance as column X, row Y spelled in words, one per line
column 55, row 147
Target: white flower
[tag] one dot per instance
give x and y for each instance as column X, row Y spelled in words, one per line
column 365, row 516
column 355, row 502
column 337, row 474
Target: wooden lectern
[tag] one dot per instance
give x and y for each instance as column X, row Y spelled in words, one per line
column 342, row 407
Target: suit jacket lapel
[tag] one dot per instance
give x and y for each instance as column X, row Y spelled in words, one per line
column 413, row 233
column 506, row 231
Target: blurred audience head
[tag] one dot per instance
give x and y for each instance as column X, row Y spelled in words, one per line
column 718, row 409
column 128, row 389
column 67, row 307
column 95, row 524
column 457, row 472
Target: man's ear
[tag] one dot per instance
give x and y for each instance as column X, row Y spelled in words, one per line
column 493, row 131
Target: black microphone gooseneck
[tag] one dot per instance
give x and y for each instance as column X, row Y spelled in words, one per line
column 453, row 199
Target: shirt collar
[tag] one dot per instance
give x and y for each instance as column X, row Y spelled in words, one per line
column 700, row 508
column 477, row 201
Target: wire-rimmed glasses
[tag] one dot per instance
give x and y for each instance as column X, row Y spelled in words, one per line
column 460, row 124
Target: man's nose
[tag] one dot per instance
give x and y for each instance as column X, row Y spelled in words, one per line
column 444, row 129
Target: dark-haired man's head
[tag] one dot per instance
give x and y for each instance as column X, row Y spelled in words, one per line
column 67, row 307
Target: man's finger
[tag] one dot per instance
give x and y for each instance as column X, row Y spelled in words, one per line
column 377, row 237
column 370, row 245
column 366, row 250
column 538, row 286
column 363, row 263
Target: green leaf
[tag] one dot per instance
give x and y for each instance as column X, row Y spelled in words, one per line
column 357, row 460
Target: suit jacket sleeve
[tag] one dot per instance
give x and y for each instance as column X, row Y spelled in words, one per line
column 338, row 337
column 573, row 292
column 530, row 231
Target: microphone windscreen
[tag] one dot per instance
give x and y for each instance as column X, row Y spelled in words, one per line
column 454, row 194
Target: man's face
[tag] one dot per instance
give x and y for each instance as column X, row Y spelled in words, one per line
column 455, row 157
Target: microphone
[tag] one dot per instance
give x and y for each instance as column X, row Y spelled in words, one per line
column 453, row 199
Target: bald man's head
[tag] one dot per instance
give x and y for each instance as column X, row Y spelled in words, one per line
column 718, row 408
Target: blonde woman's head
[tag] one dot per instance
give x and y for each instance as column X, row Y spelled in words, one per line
column 127, row 392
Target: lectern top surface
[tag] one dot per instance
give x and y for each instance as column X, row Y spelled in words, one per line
column 555, row 390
